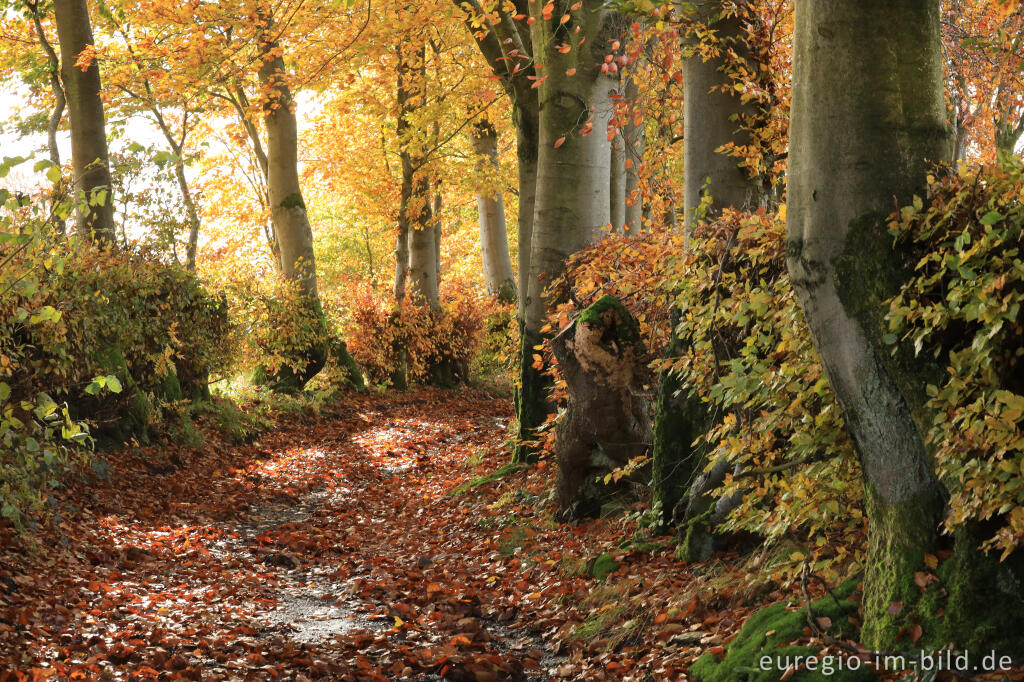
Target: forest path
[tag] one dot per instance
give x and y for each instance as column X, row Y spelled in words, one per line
column 330, row 549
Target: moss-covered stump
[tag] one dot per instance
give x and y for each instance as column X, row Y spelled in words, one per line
column 768, row 643
column 601, row 356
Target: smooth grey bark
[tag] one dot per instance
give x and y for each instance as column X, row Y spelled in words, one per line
column 287, row 208
column 617, row 184
column 868, row 116
column 497, row 265
column 635, row 139
column 711, row 118
column 89, row 156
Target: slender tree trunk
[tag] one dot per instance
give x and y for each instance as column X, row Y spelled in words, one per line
column 287, row 208
column 57, row 113
column 415, row 183
column 438, row 221
column 635, row 139
column 573, row 178
column 498, row 275
column 868, row 117
column 88, row 132
column 527, row 141
column 191, row 210
column 710, row 122
column 617, row 184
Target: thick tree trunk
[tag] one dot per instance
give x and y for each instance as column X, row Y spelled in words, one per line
column 498, row 275
column 607, row 422
column 868, row 117
column 710, row 122
column 287, row 208
column 573, row 178
column 88, row 132
column 710, row 119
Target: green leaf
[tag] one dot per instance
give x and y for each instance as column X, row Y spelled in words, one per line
column 9, row 511
column 113, row 383
column 5, row 392
column 991, row 218
column 54, row 174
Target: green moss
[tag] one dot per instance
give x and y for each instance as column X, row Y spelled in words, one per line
column 977, row 603
column 532, row 404
column 759, row 651
column 598, row 624
column 900, row 535
column 347, row 364
column 601, row 567
column 293, row 201
column 626, row 328
column 169, row 389
column 137, row 415
column 697, row 538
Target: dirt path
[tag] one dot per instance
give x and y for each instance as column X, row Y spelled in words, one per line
column 326, row 550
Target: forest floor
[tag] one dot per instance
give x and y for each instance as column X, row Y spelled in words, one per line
column 372, row 542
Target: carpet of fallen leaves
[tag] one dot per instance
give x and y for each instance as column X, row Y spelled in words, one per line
column 349, row 546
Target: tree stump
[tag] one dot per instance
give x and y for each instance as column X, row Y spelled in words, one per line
column 602, row 359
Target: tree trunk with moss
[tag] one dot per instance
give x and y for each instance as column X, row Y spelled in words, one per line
column 573, row 173
column 607, row 423
column 88, row 131
column 868, row 118
column 711, row 120
column 288, row 210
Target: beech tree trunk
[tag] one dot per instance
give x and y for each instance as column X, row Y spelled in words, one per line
column 617, row 184
column 710, row 122
column 868, row 118
column 573, row 178
column 59, row 105
column 415, row 218
column 88, row 133
column 497, row 265
column 635, row 141
column 287, row 208
column 710, row 119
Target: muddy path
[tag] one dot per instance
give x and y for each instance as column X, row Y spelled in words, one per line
column 326, row 549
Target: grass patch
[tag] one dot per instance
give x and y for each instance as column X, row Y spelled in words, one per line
column 496, row 475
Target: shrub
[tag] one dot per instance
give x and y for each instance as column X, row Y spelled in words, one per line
column 962, row 308
column 381, row 335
